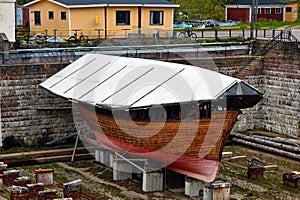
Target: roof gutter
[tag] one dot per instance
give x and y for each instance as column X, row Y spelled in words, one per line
column 108, row 5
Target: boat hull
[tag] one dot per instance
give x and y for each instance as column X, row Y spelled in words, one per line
column 191, row 147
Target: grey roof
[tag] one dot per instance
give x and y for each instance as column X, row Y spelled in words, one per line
column 95, row 2
column 260, row 2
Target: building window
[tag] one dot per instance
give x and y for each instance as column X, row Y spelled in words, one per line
column 63, row 15
column 258, row 10
column 156, row 17
column 277, row 10
column 288, row 9
column 37, row 18
column 51, row 14
column 123, row 18
column 267, row 10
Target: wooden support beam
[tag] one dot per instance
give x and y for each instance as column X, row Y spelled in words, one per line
column 237, row 158
column 271, row 167
column 269, row 149
column 226, row 154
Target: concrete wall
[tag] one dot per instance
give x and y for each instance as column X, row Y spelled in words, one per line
column 7, row 19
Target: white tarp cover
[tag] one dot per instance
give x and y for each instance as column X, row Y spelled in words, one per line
column 133, row 82
column 56, row 39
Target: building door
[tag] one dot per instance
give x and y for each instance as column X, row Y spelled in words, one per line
column 37, row 18
column 19, row 19
column 238, row 14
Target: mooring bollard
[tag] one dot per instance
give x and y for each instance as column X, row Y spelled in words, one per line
column 22, row 181
column 1, row 182
column 10, row 176
column 44, row 176
column 34, row 189
column 2, row 167
column 291, row 179
column 19, row 193
column 47, row 195
column 255, row 171
column 217, row 190
column 255, row 168
column 72, row 189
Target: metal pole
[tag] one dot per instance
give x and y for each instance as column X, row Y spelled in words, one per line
column 252, row 20
column 0, row 118
column 256, row 11
column 0, row 124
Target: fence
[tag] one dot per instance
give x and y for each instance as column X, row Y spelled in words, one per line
column 98, row 34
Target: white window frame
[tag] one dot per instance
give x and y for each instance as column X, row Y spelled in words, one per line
column 259, row 10
column 161, row 17
column 276, row 9
column 268, row 8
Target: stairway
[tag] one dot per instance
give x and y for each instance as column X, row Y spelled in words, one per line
column 285, row 36
column 21, row 32
column 288, row 42
column 252, row 68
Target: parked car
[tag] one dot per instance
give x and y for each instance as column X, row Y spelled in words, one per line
column 210, row 23
column 181, row 25
column 228, row 23
column 197, row 24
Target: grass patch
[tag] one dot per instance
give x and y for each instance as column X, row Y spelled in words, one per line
column 269, row 24
column 39, row 148
column 229, row 39
column 271, row 182
column 81, row 164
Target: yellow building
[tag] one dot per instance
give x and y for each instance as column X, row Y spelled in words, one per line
column 291, row 11
column 99, row 18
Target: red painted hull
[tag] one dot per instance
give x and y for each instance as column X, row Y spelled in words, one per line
column 198, row 168
column 198, row 158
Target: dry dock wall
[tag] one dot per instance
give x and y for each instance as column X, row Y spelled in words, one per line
column 29, row 114
column 281, row 106
column 34, row 116
column 277, row 75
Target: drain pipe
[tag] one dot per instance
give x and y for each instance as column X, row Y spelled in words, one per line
column 0, row 123
column 298, row 128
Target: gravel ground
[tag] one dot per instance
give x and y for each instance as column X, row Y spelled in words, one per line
column 97, row 179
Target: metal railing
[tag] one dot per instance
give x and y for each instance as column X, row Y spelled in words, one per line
column 98, row 34
column 282, row 36
column 165, row 50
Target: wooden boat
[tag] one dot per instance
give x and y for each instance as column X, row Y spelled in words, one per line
column 135, row 111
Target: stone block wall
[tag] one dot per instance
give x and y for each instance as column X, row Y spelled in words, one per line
column 31, row 115
column 277, row 75
column 250, row 70
column 282, row 90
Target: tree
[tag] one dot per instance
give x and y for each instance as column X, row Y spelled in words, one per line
column 207, row 9
column 22, row 2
